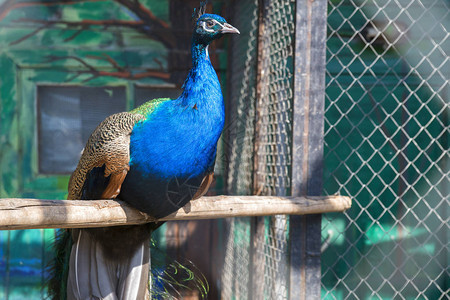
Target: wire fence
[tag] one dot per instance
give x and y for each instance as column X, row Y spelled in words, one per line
column 386, row 146
column 240, row 148
column 263, row 159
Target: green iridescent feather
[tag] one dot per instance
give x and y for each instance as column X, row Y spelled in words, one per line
column 148, row 107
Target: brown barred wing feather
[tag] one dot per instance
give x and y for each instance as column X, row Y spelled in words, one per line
column 204, row 186
column 108, row 147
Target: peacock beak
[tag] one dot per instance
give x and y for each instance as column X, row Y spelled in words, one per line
column 227, row 28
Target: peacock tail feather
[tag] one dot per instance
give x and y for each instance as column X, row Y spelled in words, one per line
column 59, row 266
column 168, row 276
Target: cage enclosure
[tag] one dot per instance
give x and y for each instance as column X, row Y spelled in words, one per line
column 323, row 97
column 274, row 146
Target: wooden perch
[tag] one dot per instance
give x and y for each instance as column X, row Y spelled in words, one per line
column 36, row 213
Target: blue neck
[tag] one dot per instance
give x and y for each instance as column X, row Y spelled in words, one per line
column 177, row 140
column 201, row 85
column 199, row 52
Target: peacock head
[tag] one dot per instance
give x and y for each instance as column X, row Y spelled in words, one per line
column 210, row 27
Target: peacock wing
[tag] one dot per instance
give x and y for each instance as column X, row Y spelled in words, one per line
column 204, row 186
column 105, row 160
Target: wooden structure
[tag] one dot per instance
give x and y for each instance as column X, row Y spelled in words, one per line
column 34, row 213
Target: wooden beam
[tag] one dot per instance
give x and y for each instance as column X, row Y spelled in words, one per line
column 307, row 143
column 35, row 213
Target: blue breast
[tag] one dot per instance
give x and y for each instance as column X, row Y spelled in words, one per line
column 175, row 147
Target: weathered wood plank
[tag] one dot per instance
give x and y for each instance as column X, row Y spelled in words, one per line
column 307, row 165
column 36, row 213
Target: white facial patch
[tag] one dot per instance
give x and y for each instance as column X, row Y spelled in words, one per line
column 203, row 25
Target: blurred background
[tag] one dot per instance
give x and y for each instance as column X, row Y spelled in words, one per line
column 66, row 65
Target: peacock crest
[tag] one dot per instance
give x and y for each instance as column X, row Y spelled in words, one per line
column 198, row 12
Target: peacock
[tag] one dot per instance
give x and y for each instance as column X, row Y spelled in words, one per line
column 157, row 158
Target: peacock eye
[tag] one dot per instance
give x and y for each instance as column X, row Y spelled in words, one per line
column 210, row 23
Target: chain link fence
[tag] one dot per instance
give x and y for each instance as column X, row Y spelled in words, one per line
column 386, row 146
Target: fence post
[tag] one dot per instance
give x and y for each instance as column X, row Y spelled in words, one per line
column 307, row 147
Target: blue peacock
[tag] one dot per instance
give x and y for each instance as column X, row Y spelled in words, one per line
column 157, row 158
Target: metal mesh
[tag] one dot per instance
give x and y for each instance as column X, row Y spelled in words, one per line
column 272, row 253
column 236, row 275
column 240, row 131
column 259, row 153
column 275, row 101
column 240, row 128
column 386, row 146
column 274, row 142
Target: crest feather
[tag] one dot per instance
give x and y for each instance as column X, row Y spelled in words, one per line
column 198, row 12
